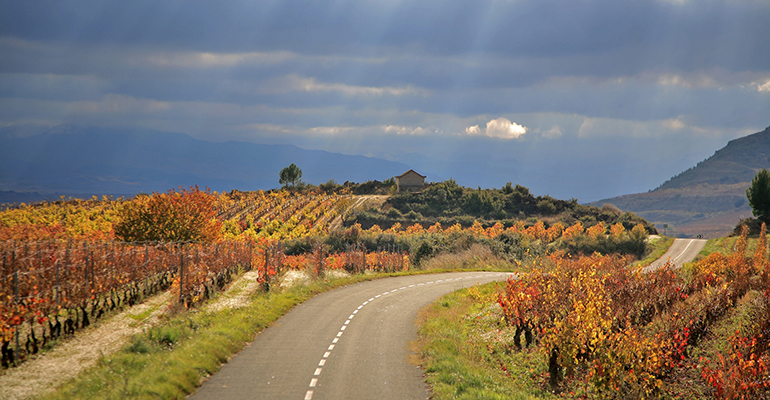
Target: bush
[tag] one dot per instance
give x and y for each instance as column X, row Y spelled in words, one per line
column 174, row 216
column 394, row 214
column 632, row 243
column 330, row 186
column 413, row 215
column 299, row 246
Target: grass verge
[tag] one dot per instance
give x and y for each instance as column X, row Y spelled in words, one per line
column 655, row 250
column 718, row 245
column 170, row 360
column 467, row 353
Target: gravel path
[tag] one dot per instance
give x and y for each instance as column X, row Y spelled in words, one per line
column 45, row 372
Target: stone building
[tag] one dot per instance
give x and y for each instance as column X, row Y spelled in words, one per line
column 410, row 181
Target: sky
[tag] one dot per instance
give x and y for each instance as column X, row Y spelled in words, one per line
column 583, row 99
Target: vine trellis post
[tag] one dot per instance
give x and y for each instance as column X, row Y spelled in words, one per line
column 181, row 274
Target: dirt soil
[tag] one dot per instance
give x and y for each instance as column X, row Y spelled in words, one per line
column 47, row 371
column 44, row 372
column 360, row 202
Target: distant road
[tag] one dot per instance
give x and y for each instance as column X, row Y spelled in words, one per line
column 349, row 343
column 681, row 251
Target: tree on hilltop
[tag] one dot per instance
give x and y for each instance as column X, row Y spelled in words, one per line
column 290, row 176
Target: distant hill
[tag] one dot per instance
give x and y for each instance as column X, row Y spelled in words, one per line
column 709, row 198
column 73, row 159
column 737, row 162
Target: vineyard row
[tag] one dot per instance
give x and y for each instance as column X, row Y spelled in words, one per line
column 53, row 288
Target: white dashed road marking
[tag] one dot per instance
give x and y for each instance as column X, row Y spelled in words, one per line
column 322, row 363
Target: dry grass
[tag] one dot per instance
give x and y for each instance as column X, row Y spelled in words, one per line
column 238, row 294
column 476, row 256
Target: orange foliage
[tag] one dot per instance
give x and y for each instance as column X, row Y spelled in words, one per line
column 617, row 230
column 185, row 215
column 572, row 231
column 415, row 229
column 554, row 232
column 595, row 231
column 494, row 230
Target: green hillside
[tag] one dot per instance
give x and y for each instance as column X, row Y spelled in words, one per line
column 737, row 162
column 448, row 203
column 708, row 199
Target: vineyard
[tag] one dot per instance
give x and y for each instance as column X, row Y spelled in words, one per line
column 606, row 331
column 63, row 266
column 278, row 215
column 72, row 219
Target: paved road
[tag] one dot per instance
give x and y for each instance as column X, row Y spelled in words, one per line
column 680, row 252
column 350, row 343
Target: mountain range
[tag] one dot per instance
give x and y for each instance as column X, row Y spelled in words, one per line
column 708, row 199
column 43, row 163
column 76, row 160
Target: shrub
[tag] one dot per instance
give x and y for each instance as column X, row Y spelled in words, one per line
column 412, row 215
column 394, row 214
column 174, row 216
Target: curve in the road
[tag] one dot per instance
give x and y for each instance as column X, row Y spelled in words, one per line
column 681, row 251
column 350, row 343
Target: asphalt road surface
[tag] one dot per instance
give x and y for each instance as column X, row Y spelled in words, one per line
column 680, row 252
column 349, row 343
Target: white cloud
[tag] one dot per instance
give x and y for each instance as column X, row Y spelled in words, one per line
column 765, row 87
column 503, row 128
column 691, row 81
column 674, row 124
column 217, row 60
column 553, row 133
column 408, row 130
column 330, row 130
column 311, row 85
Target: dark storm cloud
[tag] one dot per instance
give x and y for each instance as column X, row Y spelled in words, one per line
column 692, row 34
column 433, row 83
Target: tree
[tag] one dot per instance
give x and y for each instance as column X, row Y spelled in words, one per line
column 175, row 216
column 759, row 195
column 290, row 176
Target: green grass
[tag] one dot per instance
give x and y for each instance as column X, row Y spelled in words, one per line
column 718, row 245
column 143, row 315
column 461, row 361
column 170, row 360
column 726, row 245
column 655, row 250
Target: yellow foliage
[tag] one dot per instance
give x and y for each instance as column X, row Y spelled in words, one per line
column 573, row 231
column 596, row 231
column 617, row 230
